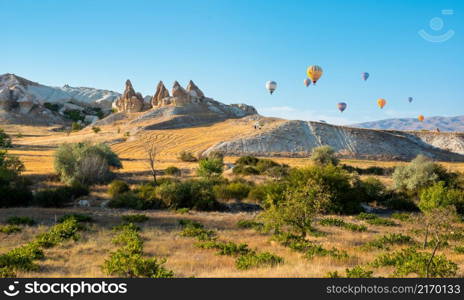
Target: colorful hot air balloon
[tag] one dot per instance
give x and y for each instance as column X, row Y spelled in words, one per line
column 341, row 106
column 364, row 76
column 271, row 86
column 410, row 99
column 307, row 82
column 314, row 73
column 381, row 102
column 421, row 118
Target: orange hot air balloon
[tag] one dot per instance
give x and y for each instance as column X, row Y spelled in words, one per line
column 421, row 118
column 381, row 102
column 314, row 73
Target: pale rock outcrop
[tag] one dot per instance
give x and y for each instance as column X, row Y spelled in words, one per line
column 161, row 93
column 194, row 91
column 130, row 101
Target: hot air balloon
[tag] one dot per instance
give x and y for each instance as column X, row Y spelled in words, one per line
column 314, row 73
column 410, row 99
column 307, row 82
column 341, row 106
column 271, row 86
column 364, row 76
column 421, row 118
column 381, row 102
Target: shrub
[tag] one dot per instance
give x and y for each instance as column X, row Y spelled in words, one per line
column 14, row 188
column 260, row 192
column 210, row 167
column 81, row 218
column 264, row 165
column 127, row 200
column 372, row 189
column 459, row 249
column 20, row 221
column 194, row 194
column 74, row 115
column 245, row 170
column 59, row 233
column 343, row 224
column 196, row 230
column 117, row 187
column 85, row 162
column 52, row 106
column 6, row 272
column 423, row 264
column 137, row 218
column 358, row 272
column 389, row 240
column 226, row 248
column 173, row 171
column 401, row 216
column 438, row 195
column 96, row 129
column 255, row 260
column 75, row 126
column 247, row 160
column 60, row 196
column 234, row 190
column 148, row 194
column 324, row 155
column 373, row 219
column 5, row 139
column 249, row 224
column 400, row 201
column 9, row 229
column 187, row 156
column 419, row 173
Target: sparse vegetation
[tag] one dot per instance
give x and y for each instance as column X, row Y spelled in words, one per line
column 96, row 129
column 20, row 221
column 324, row 155
column 5, row 139
column 187, row 156
column 172, row 171
column 342, row 224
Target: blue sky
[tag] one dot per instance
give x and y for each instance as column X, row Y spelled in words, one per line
column 231, row 48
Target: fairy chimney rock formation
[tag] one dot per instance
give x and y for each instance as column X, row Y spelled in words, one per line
column 193, row 89
column 161, row 93
column 130, row 101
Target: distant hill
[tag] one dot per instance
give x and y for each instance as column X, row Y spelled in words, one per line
column 455, row 124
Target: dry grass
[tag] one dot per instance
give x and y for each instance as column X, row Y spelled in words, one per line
column 161, row 233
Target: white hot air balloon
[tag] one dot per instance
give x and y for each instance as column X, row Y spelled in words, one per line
column 271, row 86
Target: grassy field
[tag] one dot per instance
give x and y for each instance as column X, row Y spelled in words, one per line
column 84, row 257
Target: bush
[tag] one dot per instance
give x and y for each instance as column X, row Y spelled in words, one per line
column 187, row 156
column 226, row 248
column 85, row 162
column 358, row 272
column 249, row 224
column 20, row 221
column 438, row 195
column 400, row 201
column 96, row 129
column 52, row 106
column 372, row 189
column 419, row 173
column 255, row 260
column 407, row 261
column 234, row 190
column 210, row 167
column 5, row 139
column 173, row 171
column 343, row 224
column 148, row 193
column 389, row 240
column 75, row 126
column 60, row 196
column 193, row 194
column 74, row 115
column 401, row 216
column 247, row 160
column 9, row 229
column 14, row 188
column 127, row 200
column 379, row 171
column 196, row 230
column 324, row 155
column 245, row 170
column 81, row 218
column 137, row 218
column 373, row 219
column 66, row 230
column 117, row 187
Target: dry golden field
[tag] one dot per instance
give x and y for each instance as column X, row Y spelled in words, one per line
column 83, row 258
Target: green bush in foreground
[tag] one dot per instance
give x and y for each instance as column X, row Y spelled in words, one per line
column 78, row 217
column 10, row 229
column 410, row 261
column 117, row 187
column 256, row 260
column 355, row 272
column 226, row 248
column 137, row 218
column 340, row 223
column 389, row 240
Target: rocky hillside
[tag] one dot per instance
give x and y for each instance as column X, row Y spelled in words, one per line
column 455, row 124
column 26, row 102
column 298, row 138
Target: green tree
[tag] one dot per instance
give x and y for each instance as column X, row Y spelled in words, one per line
column 324, row 155
column 5, row 139
column 210, row 167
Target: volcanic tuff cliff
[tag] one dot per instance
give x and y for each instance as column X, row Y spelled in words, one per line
column 298, row 138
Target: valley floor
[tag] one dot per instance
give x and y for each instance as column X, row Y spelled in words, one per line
column 84, row 257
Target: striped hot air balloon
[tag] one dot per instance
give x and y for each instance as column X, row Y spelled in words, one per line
column 341, row 106
column 364, row 75
column 271, row 86
column 314, row 73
